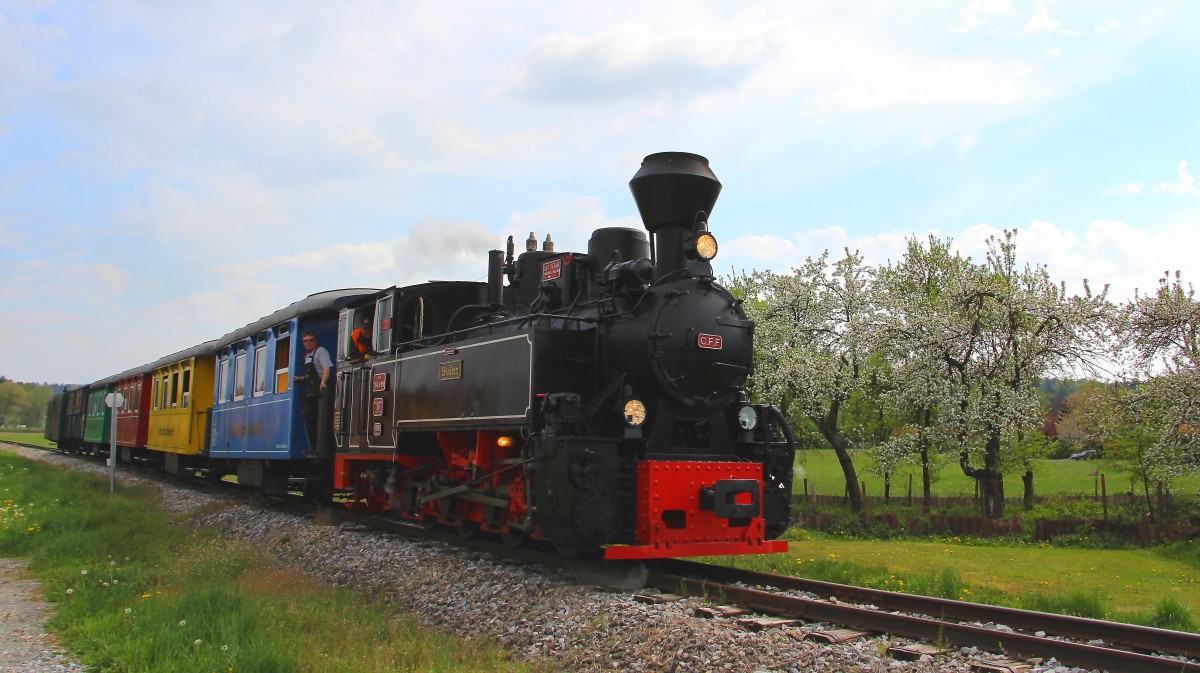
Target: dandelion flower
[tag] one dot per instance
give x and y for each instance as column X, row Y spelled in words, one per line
column 224, row 648
column 70, row 591
column 198, row 642
column 183, row 622
column 83, row 572
column 129, row 611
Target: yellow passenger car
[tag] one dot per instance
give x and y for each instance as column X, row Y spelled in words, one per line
column 181, row 397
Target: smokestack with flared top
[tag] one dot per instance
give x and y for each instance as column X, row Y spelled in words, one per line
column 670, row 189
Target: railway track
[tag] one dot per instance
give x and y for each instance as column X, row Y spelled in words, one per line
column 1018, row 634
column 940, row 624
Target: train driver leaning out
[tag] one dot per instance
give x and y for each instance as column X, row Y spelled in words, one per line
column 318, row 370
column 360, row 341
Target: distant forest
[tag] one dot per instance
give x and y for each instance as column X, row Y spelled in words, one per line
column 24, row 404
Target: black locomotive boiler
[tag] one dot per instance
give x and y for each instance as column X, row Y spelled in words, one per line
column 595, row 400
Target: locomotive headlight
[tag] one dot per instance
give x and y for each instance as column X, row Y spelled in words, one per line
column 635, row 413
column 747, row 418
column 706, row 246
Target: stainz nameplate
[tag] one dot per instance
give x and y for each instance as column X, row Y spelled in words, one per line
column 450, row 371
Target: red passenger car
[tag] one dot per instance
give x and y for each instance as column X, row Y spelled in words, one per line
column 133, row 415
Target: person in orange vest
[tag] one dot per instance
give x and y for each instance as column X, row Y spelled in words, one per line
column 360, row 341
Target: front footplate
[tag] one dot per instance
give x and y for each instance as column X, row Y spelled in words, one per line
column 696, row 508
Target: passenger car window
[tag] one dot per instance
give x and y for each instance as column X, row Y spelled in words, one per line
column 239, row 378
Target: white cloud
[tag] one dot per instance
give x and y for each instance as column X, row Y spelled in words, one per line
column 213, row 213
column 431, row 250
column 635, row 61
column 29, row 54
column 10, row 237
column 1107, row 252
column 981, row 13
column 40, row 280
column 571, row 219
column 781, row 253
column 1001, row 17
column 1041, row 21
column 1186, row 184
column 1127, row 189
column 262, row 152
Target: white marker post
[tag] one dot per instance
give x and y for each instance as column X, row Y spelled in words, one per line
column 113, row 401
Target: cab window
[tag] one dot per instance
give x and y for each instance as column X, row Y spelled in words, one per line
column 383, row 324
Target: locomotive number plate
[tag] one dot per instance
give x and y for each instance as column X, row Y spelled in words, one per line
column 379, row 382
column 552, row 269
column 712, row 342
column 450, row 371
column 377, row 429
column 377, row 406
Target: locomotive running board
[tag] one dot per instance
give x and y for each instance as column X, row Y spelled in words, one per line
column 649, row 551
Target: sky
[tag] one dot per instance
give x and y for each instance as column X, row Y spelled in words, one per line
column 171, row 171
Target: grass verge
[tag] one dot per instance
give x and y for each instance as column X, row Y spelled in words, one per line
column 135, row 591
column 31, row 437
column 1154, row 587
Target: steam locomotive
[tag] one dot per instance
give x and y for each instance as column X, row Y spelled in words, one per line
column 595, row 401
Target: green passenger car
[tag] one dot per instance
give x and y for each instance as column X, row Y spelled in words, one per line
column 97, row 421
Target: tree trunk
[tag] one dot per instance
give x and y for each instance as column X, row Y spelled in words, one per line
column 926, row 477
column 1027, row 480
column 988, row 477
column 829, row 428
column 843, row 456
column 1145, row 484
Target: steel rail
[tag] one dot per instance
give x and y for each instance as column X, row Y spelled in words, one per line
column 935, row 629
column 1143, row 638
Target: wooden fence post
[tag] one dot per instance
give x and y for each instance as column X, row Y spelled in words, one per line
column 1104, row 500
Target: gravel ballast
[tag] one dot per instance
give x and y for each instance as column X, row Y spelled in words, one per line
column 539, row 614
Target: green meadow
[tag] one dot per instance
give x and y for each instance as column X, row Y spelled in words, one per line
column 1155, row 587
column 1051, row 477
column 135, row 591
column 25, row 437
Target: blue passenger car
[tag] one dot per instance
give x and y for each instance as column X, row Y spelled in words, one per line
column 257, row 416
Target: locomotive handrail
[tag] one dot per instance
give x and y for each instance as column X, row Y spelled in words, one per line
column 434, row 341
column 783, row 425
